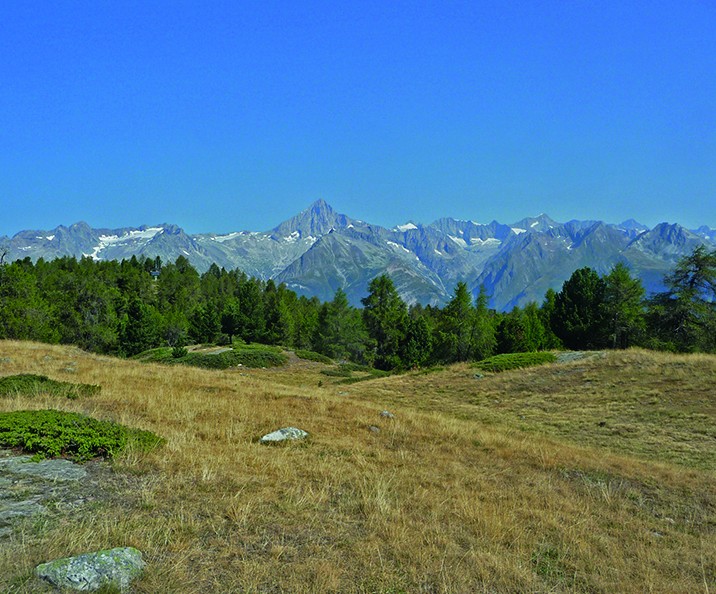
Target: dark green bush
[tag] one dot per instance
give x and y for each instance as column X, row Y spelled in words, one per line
column 313, row 356
column 179, row 351
column 515, row 361
column 250, row 355
column 53, row 433
column 29, row 384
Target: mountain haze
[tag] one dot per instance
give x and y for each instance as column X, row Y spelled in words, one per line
column 320, row 250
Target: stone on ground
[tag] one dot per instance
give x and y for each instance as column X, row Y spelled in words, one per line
column 89, row 572
column 285, row 434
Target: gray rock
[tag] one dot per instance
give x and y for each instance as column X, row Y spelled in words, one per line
column 285, row 434
column 9, row 510
column 54, row 470
column 89, row 572
column 387, row 415
column 373, row 429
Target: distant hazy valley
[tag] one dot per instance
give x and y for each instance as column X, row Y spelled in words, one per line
column 320, row 250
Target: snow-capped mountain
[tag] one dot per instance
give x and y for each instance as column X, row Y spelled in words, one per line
column 320, row 250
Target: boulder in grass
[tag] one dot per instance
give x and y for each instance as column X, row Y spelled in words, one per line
column 285, row 434
column 92, row 571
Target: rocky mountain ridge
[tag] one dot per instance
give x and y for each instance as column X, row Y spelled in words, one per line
column 320, row 250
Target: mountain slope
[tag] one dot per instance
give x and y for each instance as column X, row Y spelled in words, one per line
column 320, row 250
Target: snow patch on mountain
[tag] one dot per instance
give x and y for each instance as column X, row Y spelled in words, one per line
column 397, row 245
column 294, row 237
column 406, row 227
column 485, row 242
column 227, row 237
column 458, row 240
column 136, row 235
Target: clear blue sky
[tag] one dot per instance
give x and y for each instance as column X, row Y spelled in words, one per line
column 229, row 116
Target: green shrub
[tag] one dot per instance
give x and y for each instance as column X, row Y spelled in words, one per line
column 29, row 384
column 249, row 355
column 53, row 433
column 515, row 361
column 337, row 372
column 179, row 351
column 313, row 356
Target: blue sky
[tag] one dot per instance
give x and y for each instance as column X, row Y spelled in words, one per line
column 230, row 116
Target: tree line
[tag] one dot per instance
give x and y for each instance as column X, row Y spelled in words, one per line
column 127, row 307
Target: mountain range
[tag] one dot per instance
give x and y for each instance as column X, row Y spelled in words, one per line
column 320, row 250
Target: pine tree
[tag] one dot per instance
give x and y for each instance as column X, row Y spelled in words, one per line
column 458, row 327
column 340, row 332
column 578, row 313
column 684, row 316
column 623, row 307
column 385, row 315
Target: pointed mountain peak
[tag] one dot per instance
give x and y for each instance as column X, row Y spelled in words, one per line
column 318, row 219
column 633, row 225
column 539, row 223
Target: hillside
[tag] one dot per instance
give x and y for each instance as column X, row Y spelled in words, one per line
column 596, row 474
column 320, row 250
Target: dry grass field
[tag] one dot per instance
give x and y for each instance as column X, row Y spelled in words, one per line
column 596, row 475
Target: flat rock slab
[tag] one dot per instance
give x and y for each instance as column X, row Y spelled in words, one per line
column 92, row 571
column 285, row 434
column 27, row 487
column 9, row 510
column 51, row 470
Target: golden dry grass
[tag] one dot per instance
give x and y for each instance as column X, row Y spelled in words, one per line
column 509, row 483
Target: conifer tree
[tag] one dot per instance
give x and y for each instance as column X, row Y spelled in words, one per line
column 384, row 315
column 623, row 307
column 578, row 318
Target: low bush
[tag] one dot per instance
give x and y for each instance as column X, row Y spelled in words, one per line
column 29, row 384
column 515, row 361
column 53, row 433
column 313, row 356
column 346, row 371
column 250, row 355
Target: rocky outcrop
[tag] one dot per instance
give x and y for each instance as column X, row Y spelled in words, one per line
column 92, row 571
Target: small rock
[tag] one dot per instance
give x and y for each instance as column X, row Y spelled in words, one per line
column 373, row 429
column 89, row 572
column 387, row 415
column 285, row 434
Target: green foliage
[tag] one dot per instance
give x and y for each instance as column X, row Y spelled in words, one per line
column 578, row 318
column 140, row 328
column 508, row 361
column 416, row 348
column 179, row 351
column 244, row 355
column 340, row 333
column 313, row 356
column 52, row 433
column 623, row 307
column 384, row 316
column 347, row 371
column 684, row 317
column 29, row 384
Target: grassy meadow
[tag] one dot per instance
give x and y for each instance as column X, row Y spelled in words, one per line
column 595, row 475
